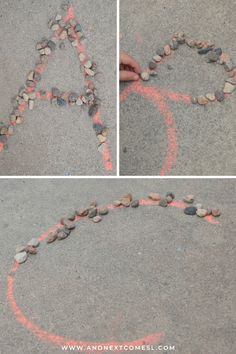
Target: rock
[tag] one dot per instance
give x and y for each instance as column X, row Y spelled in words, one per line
column 3, row 130
column 153, row 73
column 19, row 120
column 190, row 42
column 229, row 65
column 157, row 58
column 145, row 76
column 167, row 50
column 194, row 99
column 62, row 46
column 82, row 57
column 189, row 199
column 51, row 45
column 30, row 76
column 88, row 64
column 174, row 45
column 128, row 196
column 152, row 65
column 103, row 210
column 34, row 242
column 31, row 104
column 125, row 202
column 79, row 102
column 231, row 81
column 61, row 102
column 163, row 203
column 31, row 250
column 105, row 131
column 229, row 88
column 204, row 51
column 98, row 128
column 199, row 44
column 55, row 27
column 169, row 199
column 55, row 92
column 97, row 218
column 72, row 98
column 102, row 139
column 180, row 37
column 135, row 203
column 20, row 249
column 160, row 52
column 218, row 51
column 89, row 72
column 202, row 100
column 93, row 109
column 82, row 212
column 93, row 204
column 201, row 213
column 190, row 210
column 62, row 234
column 212, row 56
column 21, row 257
column 70, row 225
column 72, row 216
column 170, row 194
column 63, row 35
column 92, row 213
column 211, row 97
column 117, row 203
column 154, row 196
column 51, row 237
column 47, row 51
column 199, row 206
column 220, row 96
column 78, row 28
column 216, row 212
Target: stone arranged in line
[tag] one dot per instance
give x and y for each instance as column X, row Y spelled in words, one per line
column 212, row 55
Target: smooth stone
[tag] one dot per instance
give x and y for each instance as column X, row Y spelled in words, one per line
column 61, row 102
column 117, row 203
column 93, row 110
column 102, row 139
column 79, row 102
column 201, row 213
column 231, row 81
column 92, row 213
column 204, row 51
column 152, row 65
column 103, row 210
column 202, row 100
column 31, row 250
column 199, row 206
column 169, row 199
column 212, row 56
column 20, row 249
column 157, row 58
column 160, row 52
column 190, row 43
column 229, row 65
column 21, row 257
column 62, row 234
column 211, row 97
column 145, row 76
column 163, row 203
column 189, row 199
column 219, row 96
column 215, row 212
column 154, row 196
column 51, row 237
column 218, row 51
column 125, row 202
column 135, row 203
column 194, row 99
column 229, row 88
column 70, row 225
column 167, row 50
column 171, row 194
column 34, row 242
column 97, row 218
column 51, row 45
column 174, row 45
column 190, row 210
column 98, row 128
column 89, row 72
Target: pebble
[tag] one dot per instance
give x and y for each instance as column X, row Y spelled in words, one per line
column 211, row 97
column 74, row 43
column 163, row 203
column 92, row 213
column 157, row 58
column 160, row 52
column 135, row 203
column 31, row 250
column 171, row 194
column 231, row 81
column 61, row 102
column 88, row 64
column 180, row 37
column 167, row 50
column 128, row 196
column 82, row 212
column 21, row 257
column 89, row 72
column 153, row 73
column 70, row 225
column 204, row 51
column 145, row 76
column 98, row 128
column 31, row 104
column 97, row 219
column 47, row 51
column 93, row 109
column 169, row 199
column 199, row 206
column 51, row 237
column 55, row 27
column 63, row 35
column 82, row 57
column 62, row 234
column 174, row 45
column 25, row 97
column 201, row 213
column 20, row 249
column 103, row 210
column 79, row 102
column 55, row 92
column 30, row 76
column 62, row 45
column 202, row 100
column 190, row 210
column 117, row 203
column 3, row 130
column 194, row 99
column 218, row 51
column 152, row 65
column 102, row 139
column 190, row 43
column 51, row 45
column 105, row 131
column 229, row 88
column 154, row 196
column 220, row 96
column 125, row 202
column 34, row 242
column 78, row 28
column 216, row 212
column 189, row 199
column 229, row 65
column 72, row 217
column 212, row 56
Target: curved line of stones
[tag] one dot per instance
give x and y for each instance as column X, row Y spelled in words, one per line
column 95, row 213
column 27, row 94
column 213, row 55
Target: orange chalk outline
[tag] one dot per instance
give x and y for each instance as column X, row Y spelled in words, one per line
column 56, row 340
column 40, row 68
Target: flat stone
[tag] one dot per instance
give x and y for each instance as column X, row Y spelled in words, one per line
column 190, row 210
column 218, row 51
column 31, row 250
column 52, row 45
column 154, row 196
column 194, row 99
column 62, row 234
column 231, row 81
column 145, row 76
column 103, row 210
column 93, row 109
column 201, row 213
column 212, row 56
column 229, row 65
column 202, row 100
column 167, row 50
column 174, row 45
column 189, row 199
column 82, row 212
column 152, row 65
column 204, row 51
column 78, row 28
column 88, row 64
column 117, row 203
column 97, row 218
column 125, row 202
column 92, row 213
column 61, row 102
column 102, row 139
column 21, row 257
column 163, row 203
column 190, row 42
column 157, row 58
column 160, row 52
column 20, row 249
column 216, row 212
column 135, row 203
column 169, row 199
column 70, row 225
column 51, row 237
column 220, row 96
column 211, row 97
column 229, row 88
column 34, row 242
column 30, row 76
column 89, row 72
column 171, row 194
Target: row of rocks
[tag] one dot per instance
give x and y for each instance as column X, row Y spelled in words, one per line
column 96, row 213
column 213, row 55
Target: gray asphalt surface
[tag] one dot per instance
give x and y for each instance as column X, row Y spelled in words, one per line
column 56, row 141
column 137, row 272
column 206, row 136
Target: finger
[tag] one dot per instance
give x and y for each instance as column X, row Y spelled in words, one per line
column 128, row 60
column 128, row 76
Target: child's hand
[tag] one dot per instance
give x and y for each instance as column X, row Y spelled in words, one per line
column 129, row 68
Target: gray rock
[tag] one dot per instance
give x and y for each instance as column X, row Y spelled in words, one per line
column 160, row 52
column 55, row 92
column 134, row 203
column 229, row 65
column 145, row 76
column 189, row 199
column 163, row 203
column 34, row 242
column 61, row 102
column 219, row 96
column 93, row 110
column 103, row 210
column 98, row 128
column 218, row 51
column 92, row 213
column 152, row 65
column 204, row 51
column 21, row 257
column 97, row 218
column 62, row 234
column 52, row 45
column 201, row 213
column 190, row 210
column 174, row 45
column 212, row 56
